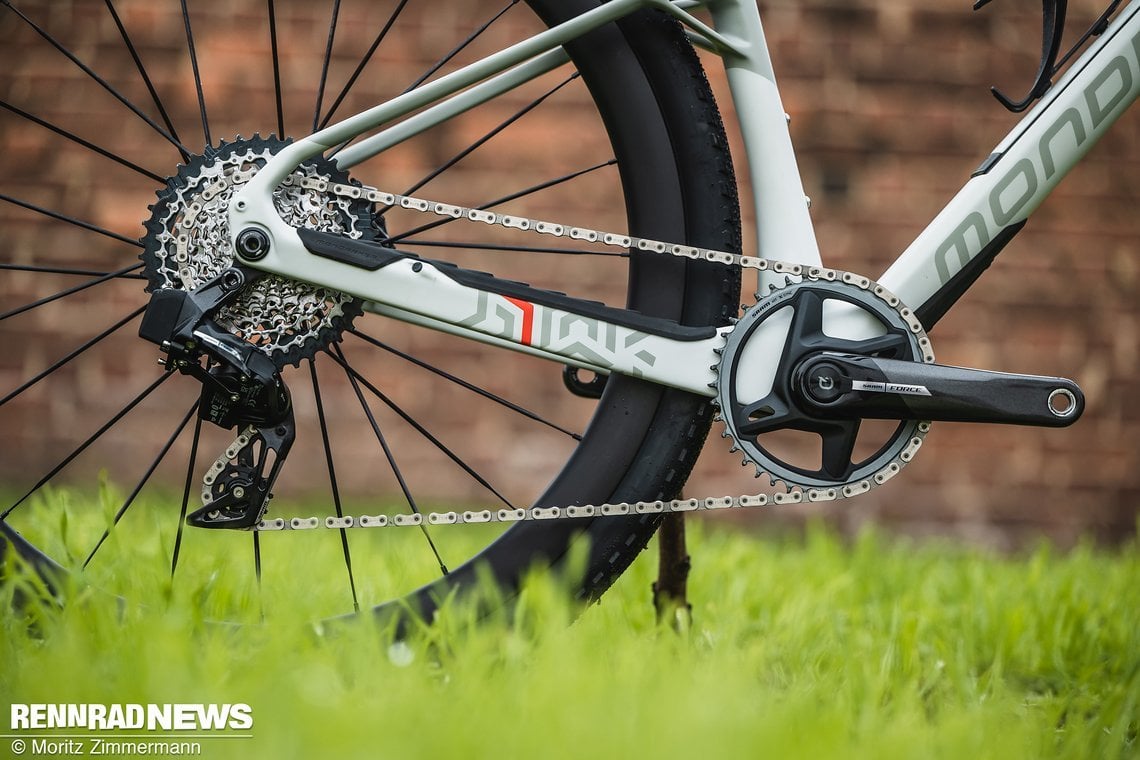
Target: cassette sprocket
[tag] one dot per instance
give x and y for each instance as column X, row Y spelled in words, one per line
column 187, row 243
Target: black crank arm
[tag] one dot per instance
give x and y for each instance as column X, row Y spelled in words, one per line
column 846, row 386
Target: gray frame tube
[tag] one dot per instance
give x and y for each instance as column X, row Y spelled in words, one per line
column 1028, row 164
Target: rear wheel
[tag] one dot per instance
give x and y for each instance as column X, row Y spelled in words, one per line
column 408, row 417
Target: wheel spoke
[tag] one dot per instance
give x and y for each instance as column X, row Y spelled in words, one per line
column 145, row 76
column 257, row 572
column 363, row 62
column 80, row 141
column 66, row 270
column 423, row 77
column 423, row 431
column 143, row 481
column 325, row 66
column 338, row 357
column 70, row 220
column 508, row 198
column 459, row 48
column 333, row 482
column 61, row 362
column 186, row 495
column 98, row 79
column 197, row 75
column 485, row 138
column 69, row 291
column 465, row 384
column 276, row 70
column 79, row 274
column 83, row 446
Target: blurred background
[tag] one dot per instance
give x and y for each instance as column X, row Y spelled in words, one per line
column 890, row 114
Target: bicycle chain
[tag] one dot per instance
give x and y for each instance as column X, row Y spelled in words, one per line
column 793, row 494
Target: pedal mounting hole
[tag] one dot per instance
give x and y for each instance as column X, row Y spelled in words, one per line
column 1062, row 402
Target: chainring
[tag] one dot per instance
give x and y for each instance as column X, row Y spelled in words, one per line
column 757, row 405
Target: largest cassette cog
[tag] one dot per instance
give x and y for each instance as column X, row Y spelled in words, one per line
column 757, row 404
column 188, row 242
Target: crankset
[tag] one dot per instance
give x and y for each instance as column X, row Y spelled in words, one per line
column 826, row 386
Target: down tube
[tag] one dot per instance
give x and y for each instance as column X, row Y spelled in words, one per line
column 1021, row 172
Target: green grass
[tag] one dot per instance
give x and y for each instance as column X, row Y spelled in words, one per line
column 800, row 647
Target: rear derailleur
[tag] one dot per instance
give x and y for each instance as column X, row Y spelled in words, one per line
column 241, row 389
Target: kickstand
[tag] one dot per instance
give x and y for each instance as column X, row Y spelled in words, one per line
column 670, row 591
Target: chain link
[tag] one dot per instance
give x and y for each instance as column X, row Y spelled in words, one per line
column 793, row 494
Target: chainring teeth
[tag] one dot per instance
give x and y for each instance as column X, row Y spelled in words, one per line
column 286, row 319
column 902, row 446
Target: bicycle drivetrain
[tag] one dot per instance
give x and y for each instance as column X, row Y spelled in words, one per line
column 824, row 385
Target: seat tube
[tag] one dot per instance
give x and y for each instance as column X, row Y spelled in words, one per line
column 784, row 228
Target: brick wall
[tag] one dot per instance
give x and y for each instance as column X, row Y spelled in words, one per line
column 890, row 114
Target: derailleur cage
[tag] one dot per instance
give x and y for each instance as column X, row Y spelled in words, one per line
column 239, row 491
column 241, row 389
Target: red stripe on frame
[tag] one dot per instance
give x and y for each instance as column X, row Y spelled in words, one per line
column 527, row 309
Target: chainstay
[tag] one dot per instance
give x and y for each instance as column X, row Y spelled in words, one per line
column 794, row 493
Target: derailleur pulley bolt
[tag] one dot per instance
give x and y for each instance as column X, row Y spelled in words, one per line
column 232, row 279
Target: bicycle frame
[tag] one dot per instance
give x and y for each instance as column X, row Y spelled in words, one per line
column 928, row 276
